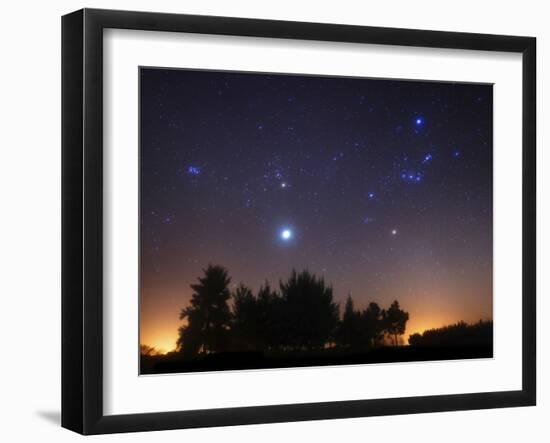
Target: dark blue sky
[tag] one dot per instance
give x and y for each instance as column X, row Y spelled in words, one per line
column 383, row 187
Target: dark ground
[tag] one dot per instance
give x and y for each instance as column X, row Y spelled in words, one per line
column 174, row 363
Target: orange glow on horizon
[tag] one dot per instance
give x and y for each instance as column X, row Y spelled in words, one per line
column 163, row 335
column 422, row 325
column 434, row 307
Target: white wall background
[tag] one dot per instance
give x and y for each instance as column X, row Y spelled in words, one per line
column 30, row 218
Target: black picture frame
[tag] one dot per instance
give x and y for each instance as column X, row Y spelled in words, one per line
column 82, row 218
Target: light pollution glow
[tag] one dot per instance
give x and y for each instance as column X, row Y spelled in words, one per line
column 160, row 322
column 384, row 186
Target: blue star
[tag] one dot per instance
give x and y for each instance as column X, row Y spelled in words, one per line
column 456, row 154
column 427, row 158
column 419, row 121
column 193, row 170
column 411, row 176
column 371, row 195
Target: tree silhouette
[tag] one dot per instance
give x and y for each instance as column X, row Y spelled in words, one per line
column 372, row 324
column 208, row 316
column 309, row 312
column 349, row 329
column 147, row 350
column 415, row 339
column 302, row 316
column 271, row 320
column 395, row 321
column 361, row 329
column 458, row 334
column 245, row 322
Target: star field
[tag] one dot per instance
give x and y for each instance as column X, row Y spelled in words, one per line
column 384, row 187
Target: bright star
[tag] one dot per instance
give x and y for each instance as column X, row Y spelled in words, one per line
column 419, row 121
column 412, row 176
column 286, row 234
column 394, row 232
column 193, row 170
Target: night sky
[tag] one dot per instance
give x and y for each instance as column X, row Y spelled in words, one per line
column 384, row 187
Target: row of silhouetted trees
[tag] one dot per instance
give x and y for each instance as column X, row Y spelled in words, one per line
column 461, row 333
column 300, row 315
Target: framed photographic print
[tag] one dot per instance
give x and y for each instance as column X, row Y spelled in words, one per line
column 269, row 221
